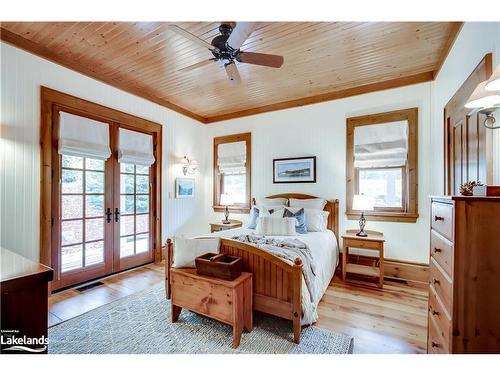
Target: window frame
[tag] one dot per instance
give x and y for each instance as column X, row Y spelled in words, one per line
column 217, row 180
column 409, row 212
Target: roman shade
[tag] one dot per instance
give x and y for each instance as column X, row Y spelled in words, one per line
column 232, row 157
column 381, row 145
column 81, row 136
column 135, row 148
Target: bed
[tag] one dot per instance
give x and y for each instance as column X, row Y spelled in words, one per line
column 278, row 285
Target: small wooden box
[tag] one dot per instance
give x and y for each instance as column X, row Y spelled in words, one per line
column 222, row 266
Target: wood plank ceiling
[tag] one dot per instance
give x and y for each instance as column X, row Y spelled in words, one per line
column 323, row 61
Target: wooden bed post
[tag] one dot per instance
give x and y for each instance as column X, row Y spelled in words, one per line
column 168, row 263
column 297, row 299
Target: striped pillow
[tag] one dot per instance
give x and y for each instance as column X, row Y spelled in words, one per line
column 276, row 226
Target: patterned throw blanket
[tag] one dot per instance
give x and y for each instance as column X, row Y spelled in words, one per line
column 288, row 249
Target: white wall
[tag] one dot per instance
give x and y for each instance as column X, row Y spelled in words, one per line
column 22, row 74
column 475, row 40
column 320, row 130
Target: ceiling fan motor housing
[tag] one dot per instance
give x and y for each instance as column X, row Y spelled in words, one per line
column 222, row 50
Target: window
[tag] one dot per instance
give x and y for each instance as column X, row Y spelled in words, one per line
column 232, row 159
column 382, row 163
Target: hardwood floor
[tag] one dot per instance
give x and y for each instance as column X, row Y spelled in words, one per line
column 390, row 320
column 70, row 303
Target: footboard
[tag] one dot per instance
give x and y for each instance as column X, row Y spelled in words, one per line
column 277, row 285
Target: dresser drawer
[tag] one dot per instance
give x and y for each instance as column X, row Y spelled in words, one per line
column 435, row 344
column 442, row 251
column 442, row 219
column 441, row 283
column 441, row 316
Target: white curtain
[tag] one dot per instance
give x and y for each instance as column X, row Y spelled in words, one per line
column 81, row 136
column 381, row 145
column 232, row 157
column 135, row 148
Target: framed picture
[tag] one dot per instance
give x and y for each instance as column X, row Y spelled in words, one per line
column 294, row 170
column 184, row 187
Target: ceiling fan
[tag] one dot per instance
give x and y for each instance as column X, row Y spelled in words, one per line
column 226, row 48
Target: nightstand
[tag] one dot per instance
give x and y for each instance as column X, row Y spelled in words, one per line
column 217, row 227
column 374, row 241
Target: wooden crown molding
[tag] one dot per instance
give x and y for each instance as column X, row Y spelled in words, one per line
column 384, row 85
column 34, row 48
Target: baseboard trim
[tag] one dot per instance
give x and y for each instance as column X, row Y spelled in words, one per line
column 409, row 272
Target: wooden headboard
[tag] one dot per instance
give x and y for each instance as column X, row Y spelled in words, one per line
column 331, row 206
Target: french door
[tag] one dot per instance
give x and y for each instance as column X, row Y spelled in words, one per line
column 103, row 216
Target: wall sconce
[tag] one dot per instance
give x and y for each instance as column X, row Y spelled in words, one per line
column 189, row 166
column 486, row 98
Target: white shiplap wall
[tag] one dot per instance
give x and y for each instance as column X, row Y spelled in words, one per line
column 22, row 74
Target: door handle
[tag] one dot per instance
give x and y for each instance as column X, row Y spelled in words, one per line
column 438, row 218
column 117, row 215
column 108, row 215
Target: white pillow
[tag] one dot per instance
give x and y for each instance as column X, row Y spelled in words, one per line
column 276, row 226
column 316, row 220
column 187, row 249
column 317, row 203
column 272, row 202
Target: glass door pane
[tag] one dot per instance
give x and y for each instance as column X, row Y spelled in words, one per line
column 82, row 212
column 134, row 210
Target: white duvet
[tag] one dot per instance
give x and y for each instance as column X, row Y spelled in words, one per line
column 324, row 251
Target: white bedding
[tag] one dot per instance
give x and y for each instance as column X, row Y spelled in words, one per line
column 324, row 250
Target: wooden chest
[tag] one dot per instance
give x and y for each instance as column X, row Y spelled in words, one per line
column 464, row 269
column 229, row 302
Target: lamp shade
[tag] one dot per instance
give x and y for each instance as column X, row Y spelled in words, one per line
column 493, row 83
column 363, row 203
column 481, row 98
column 226, row 200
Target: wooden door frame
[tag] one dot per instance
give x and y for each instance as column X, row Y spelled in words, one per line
column 50, row 100
column 467, row 86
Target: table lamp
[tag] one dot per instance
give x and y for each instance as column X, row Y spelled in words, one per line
column 362, row 203
column 226, row 200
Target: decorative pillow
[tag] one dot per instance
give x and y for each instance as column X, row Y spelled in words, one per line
column 272, row 202
column 187, row 249
column 316, row 220
column 276, row 226
column 300, row 216
column 264, row 211
column 317, row 203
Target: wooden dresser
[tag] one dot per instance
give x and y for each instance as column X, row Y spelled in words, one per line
column 24, row 286
column 464, row 296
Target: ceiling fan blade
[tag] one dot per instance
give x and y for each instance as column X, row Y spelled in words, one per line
column 232, row 72
column 196, row 66
column 273, row 61
column 186, row 34
column 240, row 33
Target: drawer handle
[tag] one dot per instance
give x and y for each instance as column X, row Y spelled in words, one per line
column 436, row 281
column 437, row 250
column 438, row 218
column 434, row 344
column 434, row 312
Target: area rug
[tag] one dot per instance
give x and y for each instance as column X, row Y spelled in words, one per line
column 141, row 324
